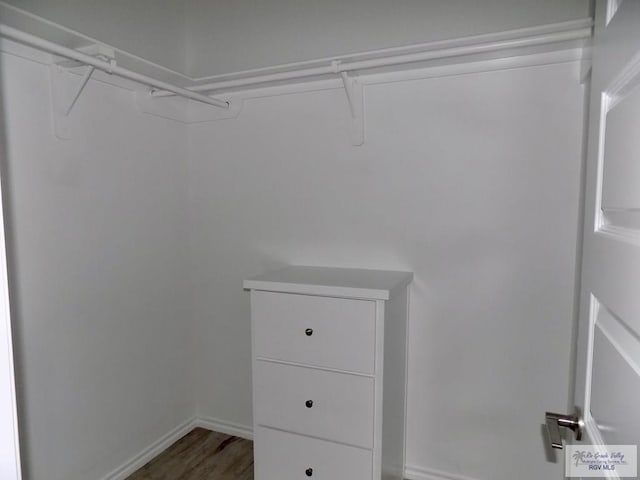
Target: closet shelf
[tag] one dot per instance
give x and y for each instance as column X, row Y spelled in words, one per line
column 521, row 41
column 106, row 65
column 523, row 38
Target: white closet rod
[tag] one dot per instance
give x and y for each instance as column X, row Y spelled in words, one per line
column 109, row 67
column 573, row 30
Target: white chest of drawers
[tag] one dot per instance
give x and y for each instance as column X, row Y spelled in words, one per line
column 329, row 373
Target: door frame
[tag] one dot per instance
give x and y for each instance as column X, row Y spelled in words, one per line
column 10, row 468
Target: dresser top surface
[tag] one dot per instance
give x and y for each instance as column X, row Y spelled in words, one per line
column 326, row 281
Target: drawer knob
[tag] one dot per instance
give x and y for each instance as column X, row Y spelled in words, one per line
column 308, row 332
column 309, row 403
column 309, row 472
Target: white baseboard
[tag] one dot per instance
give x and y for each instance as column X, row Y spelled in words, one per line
column 242, row 431
column 164, row 442
column 223, row 426
column 421, row 473
column 151, row 451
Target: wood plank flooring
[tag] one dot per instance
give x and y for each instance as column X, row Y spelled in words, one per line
column 201, row 455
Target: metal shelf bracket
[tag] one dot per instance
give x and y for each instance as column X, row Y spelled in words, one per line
column 355, row 97
column 66, row 89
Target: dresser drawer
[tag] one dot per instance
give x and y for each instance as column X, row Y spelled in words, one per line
column 329, row 332
column 341, row 407
column 286, row 456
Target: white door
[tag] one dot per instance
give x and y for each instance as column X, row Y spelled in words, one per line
column 607, row 386
column 9, row 451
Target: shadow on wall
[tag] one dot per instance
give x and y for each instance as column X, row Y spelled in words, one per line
column 550, row 454
column 16, row 324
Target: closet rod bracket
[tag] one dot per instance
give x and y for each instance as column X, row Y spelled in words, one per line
column 355, row 98
column 69, row 78
column 74, row 98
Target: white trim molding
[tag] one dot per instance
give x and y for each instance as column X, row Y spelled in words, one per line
column 165, row 441
column 553, row 37
column 412, row 472
column 420, row 473
column 10, row 464
column 223, row 426
column 160, row 445
column 150, row 452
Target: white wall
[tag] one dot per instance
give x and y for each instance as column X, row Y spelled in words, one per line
column 151, row 29
column 98, row 252
column 232, row 35
column 472, row 182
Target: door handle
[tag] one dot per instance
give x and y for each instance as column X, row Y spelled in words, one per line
column 556, row 420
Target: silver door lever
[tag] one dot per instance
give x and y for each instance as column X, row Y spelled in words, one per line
column 556, row 420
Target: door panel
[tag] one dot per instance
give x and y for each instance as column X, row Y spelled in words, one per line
column 621, row 167
column 615, row 387
column 608, row 373
column 9, row 446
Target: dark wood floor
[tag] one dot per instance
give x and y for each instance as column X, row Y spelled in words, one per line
column 201, row 455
